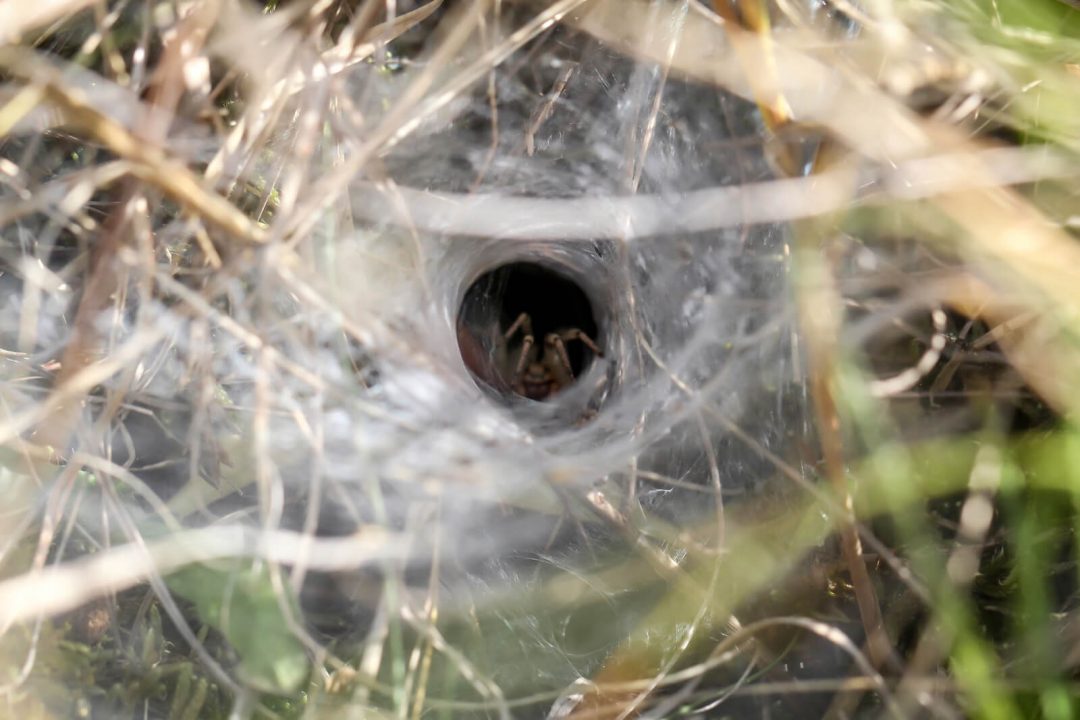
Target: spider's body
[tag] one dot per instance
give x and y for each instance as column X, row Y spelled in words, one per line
column 544, row 374
column 540, row 371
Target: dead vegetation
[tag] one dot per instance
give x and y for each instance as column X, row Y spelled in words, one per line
column 257, row 458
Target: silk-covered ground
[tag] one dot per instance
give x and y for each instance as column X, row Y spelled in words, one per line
column 261, row 453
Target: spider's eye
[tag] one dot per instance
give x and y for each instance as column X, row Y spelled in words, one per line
column 553, row 302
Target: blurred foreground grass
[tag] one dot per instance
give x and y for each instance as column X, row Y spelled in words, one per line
column 923, row 549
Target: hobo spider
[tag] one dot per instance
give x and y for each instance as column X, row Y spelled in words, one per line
column 538, row 375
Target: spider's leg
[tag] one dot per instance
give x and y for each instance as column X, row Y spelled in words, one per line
column 523, row 323
column 555, row 340
column 575, row 334
column 523, row 358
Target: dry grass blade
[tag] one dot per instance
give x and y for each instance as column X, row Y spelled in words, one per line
column 66, row 587
column 149, row 163
column 20, row 17
column 642, row 216
column 567, row 359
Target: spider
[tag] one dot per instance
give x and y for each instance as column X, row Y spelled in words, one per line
column 540, row 370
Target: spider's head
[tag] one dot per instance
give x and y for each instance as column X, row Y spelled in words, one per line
column 538, row 383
